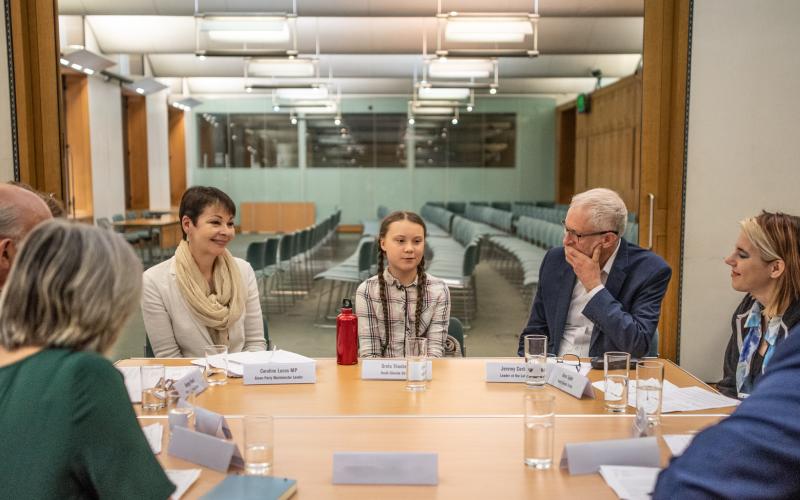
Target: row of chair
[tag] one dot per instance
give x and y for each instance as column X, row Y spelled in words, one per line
column 501, row 219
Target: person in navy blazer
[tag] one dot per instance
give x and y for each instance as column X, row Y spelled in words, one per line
column 598, row 293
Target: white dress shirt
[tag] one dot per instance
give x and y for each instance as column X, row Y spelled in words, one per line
column 578, row 328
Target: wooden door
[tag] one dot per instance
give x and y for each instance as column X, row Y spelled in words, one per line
column 79, row 154
column 138, row 190
column 177, row 156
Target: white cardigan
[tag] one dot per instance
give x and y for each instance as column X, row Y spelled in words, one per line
column 173, row 329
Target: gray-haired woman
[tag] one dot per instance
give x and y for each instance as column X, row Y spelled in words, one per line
column 66, row 424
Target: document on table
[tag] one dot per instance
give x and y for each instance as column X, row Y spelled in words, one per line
column 154, row 433
column 236, row 361
column 678, row 442
column 183, row 479
column 676, row 398
column 630, row 483
column 133, row 378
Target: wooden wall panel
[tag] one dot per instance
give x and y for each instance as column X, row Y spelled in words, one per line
column 282, row 217
column 136, row 155
column 177, row 156
column 565, row 153
column 79, row 154
column 37, row 94
column 666, row 45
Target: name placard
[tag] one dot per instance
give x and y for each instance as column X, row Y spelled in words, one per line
column 388, row 369
column 571, row 382
column 586, row 458
column 192, row 382
column 202, row 449
column 385, row 468
column 505, row 371
column 280, row 373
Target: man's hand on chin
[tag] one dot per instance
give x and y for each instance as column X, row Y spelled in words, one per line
column 587, row 269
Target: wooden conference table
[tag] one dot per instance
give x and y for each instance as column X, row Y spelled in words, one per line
column 474, row 426
column 168, row 223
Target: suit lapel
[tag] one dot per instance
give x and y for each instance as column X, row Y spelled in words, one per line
column 616, row 278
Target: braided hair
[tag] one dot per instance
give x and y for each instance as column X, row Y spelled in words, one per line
column 421, row 276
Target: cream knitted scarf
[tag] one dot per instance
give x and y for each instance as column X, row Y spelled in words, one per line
column 218, row 310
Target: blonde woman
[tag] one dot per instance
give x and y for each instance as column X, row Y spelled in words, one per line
column 68, row 428
column 203, row 295
column 766, row 266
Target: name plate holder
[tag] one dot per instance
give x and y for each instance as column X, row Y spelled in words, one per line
column 401, row 468
column 586, row 458
column 571, row 382
column 280, row 373
column 505, row 371
column 209, row 445
column 388, row 369
column 192, row 382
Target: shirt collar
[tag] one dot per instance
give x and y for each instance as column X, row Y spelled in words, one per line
column 610, row 261
column 391, row 280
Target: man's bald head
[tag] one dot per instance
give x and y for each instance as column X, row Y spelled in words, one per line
column 20, row 211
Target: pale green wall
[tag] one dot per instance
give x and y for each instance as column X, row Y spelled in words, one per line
column 359, row 191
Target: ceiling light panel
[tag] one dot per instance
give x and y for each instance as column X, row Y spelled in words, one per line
column 246, row 29
column 302, row 94
column 498, row 30
column 282, row 67
column 443, row 93
column 460, row 68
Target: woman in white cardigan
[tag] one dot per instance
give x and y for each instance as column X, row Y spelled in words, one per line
column 203, row 295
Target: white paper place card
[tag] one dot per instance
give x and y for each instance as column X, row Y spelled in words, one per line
column 677, row 443
column 506, row 371
column 630, row 483
column 211, row 423
column 191, row 382
column 388, row 369
column 201, row 449
column 183, row 479
column 385, row 468
column 133, row 382
column 280, row 373
column 570, row 381
column 586, row 458
column 154, row 433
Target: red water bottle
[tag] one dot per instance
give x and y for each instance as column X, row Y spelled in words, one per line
column 347, row 335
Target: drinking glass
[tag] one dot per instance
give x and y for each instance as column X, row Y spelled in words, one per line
column 259, row 445
column 153, row 397
column 536, row 360
column 416, row 363
column 216, row 364
column 539, row 425
column 649, row 387
column 615, row 374
column 180, row 411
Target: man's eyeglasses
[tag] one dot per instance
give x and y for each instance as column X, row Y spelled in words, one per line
column 578, row 236
column 571, row 360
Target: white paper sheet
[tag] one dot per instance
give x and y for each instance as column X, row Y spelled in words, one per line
column 676, row 398
column 183, row 479
column 678, row 442
column 630, row 483
column 154, row 433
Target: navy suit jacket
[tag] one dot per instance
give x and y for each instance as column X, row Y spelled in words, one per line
column 625, row 313
column 754, row 453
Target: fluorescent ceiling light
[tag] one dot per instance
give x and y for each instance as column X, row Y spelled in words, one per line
column 306, row 94
column 498, row 29
column 246, row 29
column 187, row 103
column 431, row 110
column 281, row 67
column 443, row 93
column 145, row 86
column 460, row 68
column 81, row 60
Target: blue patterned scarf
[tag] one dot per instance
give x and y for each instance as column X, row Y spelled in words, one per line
column 752, row 339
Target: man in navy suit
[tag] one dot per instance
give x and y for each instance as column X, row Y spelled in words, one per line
column 755, row 452
column 598, row 293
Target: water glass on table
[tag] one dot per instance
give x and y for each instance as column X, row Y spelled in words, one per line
column 180, row 410
column 416, row 363
column 649, row 387
column 616, row 376
column 259, row 445
column 216, row 364
column 539, row 425
column 153, row 393
column 536, row 360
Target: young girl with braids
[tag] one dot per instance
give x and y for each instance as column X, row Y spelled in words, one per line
column 401, row 301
